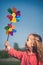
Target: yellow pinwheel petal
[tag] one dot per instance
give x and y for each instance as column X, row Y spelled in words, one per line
column 13, row 20
column 10, row 29
column 13, row 14
column 7, row 32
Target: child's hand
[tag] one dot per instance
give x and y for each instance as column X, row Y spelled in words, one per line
column 7, row 45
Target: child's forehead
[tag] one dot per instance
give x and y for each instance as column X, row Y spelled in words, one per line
column 31, row 36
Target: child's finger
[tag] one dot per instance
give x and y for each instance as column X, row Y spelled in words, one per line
column 6, row 43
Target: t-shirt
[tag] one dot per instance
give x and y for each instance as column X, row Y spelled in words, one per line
column 25, row 57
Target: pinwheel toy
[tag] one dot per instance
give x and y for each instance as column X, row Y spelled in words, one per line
column 10, row 29
column 14, row 15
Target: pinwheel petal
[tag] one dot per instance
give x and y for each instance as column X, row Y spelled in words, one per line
column 13, row 14
column 14, row 10
column 14, row 30
column 13, row 20
column 7, row 32
column 10, row 11
column 9, row 17
column 13, row 27
column 18, row 18
column 9, row 25
column 10, row 29
column 6, row 28
column 11, row 33
column 18, row 13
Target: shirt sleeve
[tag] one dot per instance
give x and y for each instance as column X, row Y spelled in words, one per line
column 15, row 53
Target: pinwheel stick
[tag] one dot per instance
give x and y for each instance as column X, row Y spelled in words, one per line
column 8, row 37
column 7, row 40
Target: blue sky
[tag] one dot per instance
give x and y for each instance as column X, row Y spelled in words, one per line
column 31, row 20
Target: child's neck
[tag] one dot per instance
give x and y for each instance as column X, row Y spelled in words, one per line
column 30, row 52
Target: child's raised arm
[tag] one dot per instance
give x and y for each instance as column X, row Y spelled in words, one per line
column 13, row 52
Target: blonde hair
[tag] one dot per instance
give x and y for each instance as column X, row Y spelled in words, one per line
column 38, row 47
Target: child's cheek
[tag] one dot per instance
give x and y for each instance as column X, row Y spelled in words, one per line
column 28, row 44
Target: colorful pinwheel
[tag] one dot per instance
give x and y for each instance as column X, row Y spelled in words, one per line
column 14, row 15
column 10, row 29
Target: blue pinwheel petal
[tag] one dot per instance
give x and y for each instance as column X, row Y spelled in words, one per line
column 13, row 30
column 18, row 18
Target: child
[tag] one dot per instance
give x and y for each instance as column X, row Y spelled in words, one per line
column 34, row 53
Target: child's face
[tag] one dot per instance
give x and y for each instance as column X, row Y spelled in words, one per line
column 30, row 41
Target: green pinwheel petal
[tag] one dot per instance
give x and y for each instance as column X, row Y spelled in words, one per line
column 10, row 11
column 6, row 28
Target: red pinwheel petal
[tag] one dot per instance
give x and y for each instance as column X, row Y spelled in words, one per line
column 9, row 25
column 10, row 17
